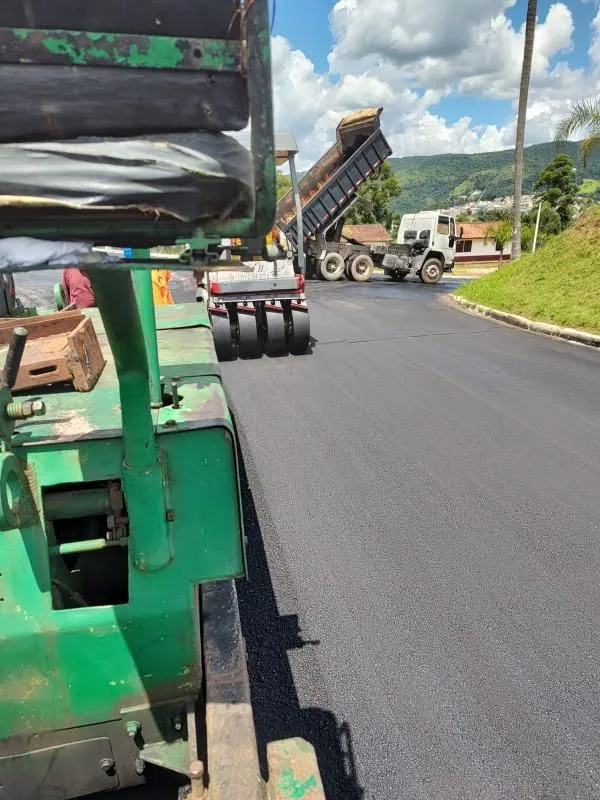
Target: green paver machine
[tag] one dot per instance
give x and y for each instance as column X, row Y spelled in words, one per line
column 120, row 519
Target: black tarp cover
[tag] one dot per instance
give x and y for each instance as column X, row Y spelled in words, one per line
column 211, row 180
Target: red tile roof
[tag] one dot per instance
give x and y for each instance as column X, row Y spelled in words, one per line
column 367, row 234
column 475, row 230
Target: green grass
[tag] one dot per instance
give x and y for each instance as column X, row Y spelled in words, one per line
column 589, row 187
column 558, row 284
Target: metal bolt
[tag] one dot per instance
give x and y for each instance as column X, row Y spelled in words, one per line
column 133, row 728
column 177, row 724
column 140, row 766
column 39, row 408
column 170, row 423
column 175, row 393
column 170, row 515
column 25, row 410
column 107, row 764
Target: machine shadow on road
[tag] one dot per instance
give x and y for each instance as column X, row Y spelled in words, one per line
column 269, row 636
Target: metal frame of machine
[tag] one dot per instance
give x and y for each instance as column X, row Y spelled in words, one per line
column 120, row 520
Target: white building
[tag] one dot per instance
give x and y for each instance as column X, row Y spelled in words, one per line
column 472, row 248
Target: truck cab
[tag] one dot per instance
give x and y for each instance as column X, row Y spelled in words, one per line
column 432, row 236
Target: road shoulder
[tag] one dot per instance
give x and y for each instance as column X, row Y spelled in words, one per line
column 556, row 331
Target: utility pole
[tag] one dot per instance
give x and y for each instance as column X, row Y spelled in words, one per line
column 537, row 227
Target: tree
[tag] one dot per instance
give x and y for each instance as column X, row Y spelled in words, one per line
column 557, row 187
column 493, row 215
column 284, row 184
column 527, row 236
column 376, row 194
column 585, row 116
column 521, row 123
column 549, row 220
column 500, row 235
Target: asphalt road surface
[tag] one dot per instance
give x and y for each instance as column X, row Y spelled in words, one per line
column 424, row 537
column 422, row 494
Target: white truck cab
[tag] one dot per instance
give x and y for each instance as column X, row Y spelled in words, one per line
column 431, row 237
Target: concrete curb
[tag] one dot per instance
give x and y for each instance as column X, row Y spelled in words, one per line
column 568, row 334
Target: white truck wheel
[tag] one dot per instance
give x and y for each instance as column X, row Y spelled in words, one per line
column 432, row 271
column 331, row 268
column 361, row 268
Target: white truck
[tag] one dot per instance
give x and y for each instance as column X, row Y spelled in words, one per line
column 426, row 247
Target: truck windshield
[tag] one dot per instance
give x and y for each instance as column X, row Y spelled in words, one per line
column 443, row 226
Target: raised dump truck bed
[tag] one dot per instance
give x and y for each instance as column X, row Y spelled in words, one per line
column 330, row 187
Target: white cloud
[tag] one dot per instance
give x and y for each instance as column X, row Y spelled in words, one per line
column 406, row 56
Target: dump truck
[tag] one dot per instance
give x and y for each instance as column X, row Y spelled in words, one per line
column 329, row 190
column 326, row 194
column 120, row 511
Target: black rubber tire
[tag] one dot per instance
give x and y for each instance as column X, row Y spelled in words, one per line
column 275, row 333
column 298, row 331
column 431, row 271
column 223, row 337
column 332, row 267
column 361, row 268
column 250, row 344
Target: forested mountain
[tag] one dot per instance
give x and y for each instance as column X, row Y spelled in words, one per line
column 439, row 181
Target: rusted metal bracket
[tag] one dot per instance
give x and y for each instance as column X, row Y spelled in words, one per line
column 230, row 734
column 233, row 766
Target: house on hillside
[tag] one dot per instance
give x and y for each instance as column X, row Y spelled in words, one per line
column 472, row 249
column 367, row 234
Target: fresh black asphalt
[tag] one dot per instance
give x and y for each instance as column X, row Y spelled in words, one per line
column 423, row 511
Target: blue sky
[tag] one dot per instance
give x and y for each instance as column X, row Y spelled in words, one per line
column 485, row 97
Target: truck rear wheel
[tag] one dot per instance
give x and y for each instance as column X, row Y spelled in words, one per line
column 432, row 271
column 331, row 268
column 361, row 268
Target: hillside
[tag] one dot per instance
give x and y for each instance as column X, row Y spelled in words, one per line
column 439, row 181
column 559, row 284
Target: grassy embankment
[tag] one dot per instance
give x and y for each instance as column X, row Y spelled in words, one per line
column 559, row 284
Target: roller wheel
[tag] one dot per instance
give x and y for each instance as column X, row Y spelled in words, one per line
column 432, row 271
column 331, row 268
column 249, row 339
column 275, row 333
column 361, row 268
column 298, row 331
column 223, row 337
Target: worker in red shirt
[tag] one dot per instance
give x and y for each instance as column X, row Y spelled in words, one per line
column 78, row 288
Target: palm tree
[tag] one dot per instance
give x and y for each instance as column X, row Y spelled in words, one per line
column 500, row 235
column 584, row 116
column 521, row 122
